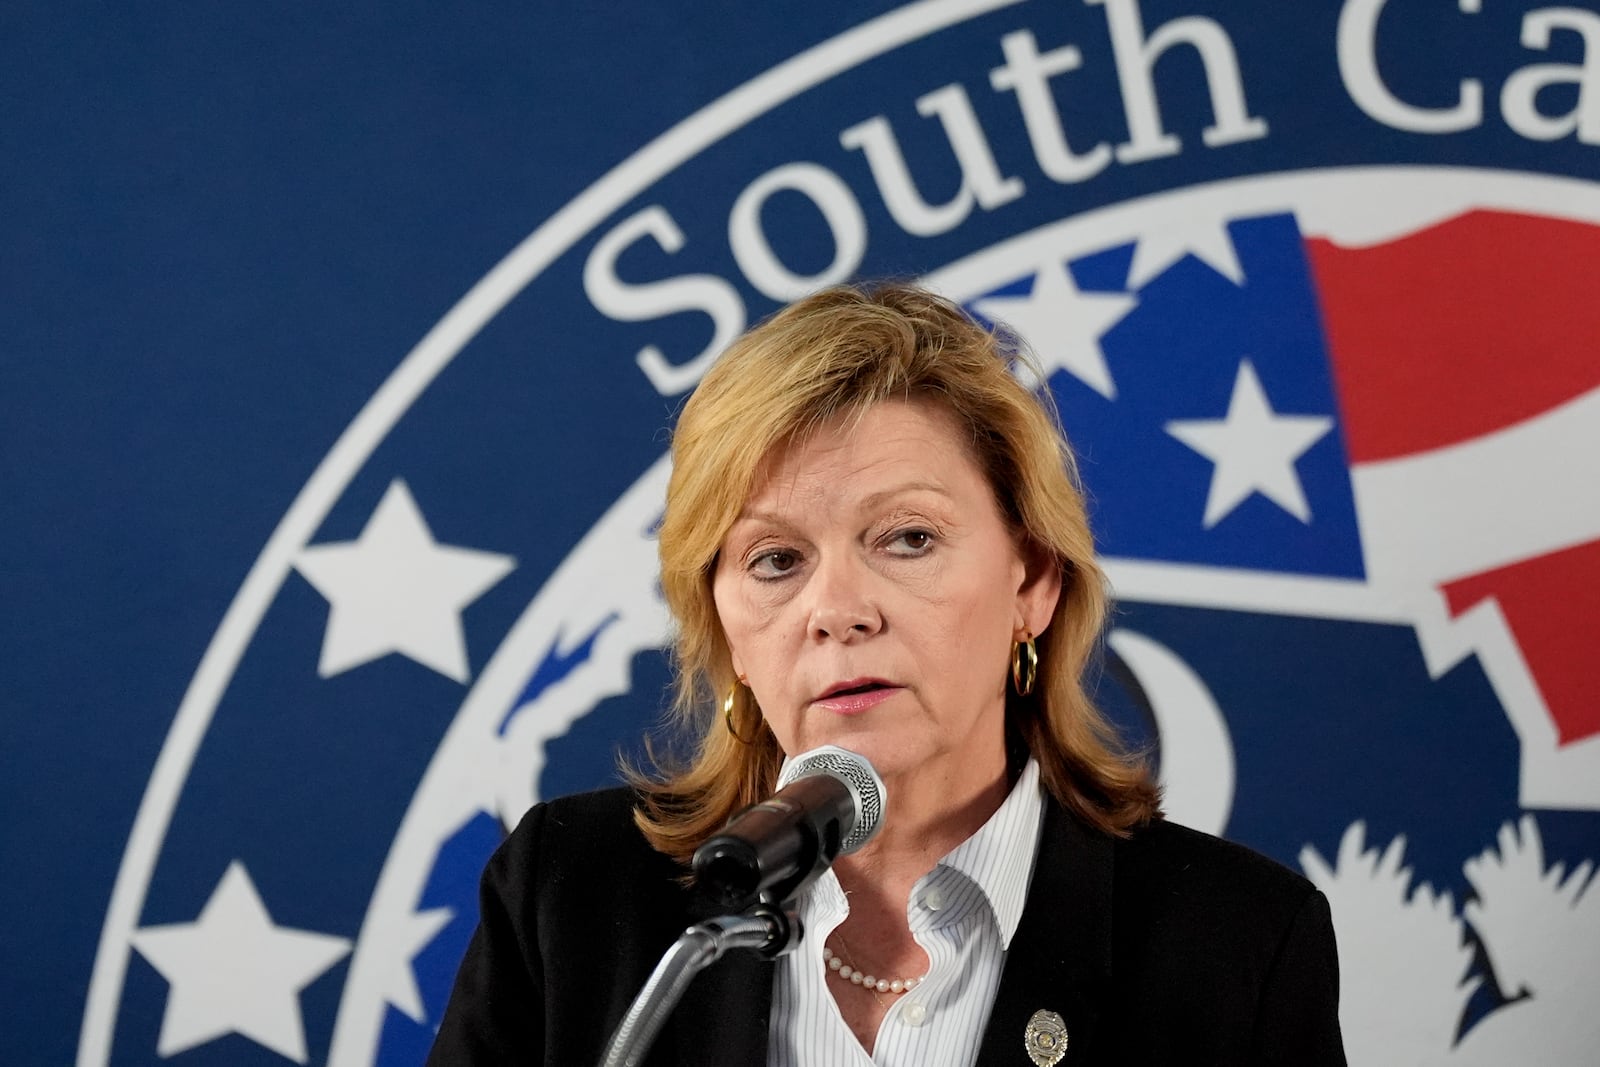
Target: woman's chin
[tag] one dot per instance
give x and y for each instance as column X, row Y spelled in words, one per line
column 889, row 755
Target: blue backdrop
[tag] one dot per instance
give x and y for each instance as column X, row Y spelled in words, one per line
column 337, row 351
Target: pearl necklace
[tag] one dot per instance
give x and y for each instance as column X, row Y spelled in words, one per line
column 866, row 981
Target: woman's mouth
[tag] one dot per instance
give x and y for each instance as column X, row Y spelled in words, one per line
column 856, row 695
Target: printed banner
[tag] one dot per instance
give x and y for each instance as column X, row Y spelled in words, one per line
column 343, row 355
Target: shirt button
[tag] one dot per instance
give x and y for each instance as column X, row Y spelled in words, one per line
column 933, row 898
column 916, row 1013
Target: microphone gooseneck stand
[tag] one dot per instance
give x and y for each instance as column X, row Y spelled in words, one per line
column 829, row 802
column 766, row 928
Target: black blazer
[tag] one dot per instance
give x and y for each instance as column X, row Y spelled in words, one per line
column 1171, row 947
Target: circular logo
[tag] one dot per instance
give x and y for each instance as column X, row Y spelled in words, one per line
column 1336, row 426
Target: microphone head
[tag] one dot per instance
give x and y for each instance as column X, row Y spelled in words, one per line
column 858, row 775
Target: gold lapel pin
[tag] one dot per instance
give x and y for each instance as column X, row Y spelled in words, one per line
column 1046, row 1038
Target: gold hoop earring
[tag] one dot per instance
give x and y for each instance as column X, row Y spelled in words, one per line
column 727, row 716
column 1024, row 664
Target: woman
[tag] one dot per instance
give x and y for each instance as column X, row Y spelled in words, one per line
column 873, row 539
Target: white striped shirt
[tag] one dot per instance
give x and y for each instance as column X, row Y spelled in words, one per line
column 963, row 913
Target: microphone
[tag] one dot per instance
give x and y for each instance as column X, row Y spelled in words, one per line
column 829, row 803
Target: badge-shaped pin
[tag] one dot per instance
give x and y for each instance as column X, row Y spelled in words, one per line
column 1046, row 1038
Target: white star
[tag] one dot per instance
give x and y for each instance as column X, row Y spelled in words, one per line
column 1254, row 449
column 1169, row 241
column 1062, row 325
column 231, row 971
column 395, row 589
column 401, row 943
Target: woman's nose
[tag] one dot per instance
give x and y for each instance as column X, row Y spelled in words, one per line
column 842, row 606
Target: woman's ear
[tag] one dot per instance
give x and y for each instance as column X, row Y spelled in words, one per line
column 1040, row 590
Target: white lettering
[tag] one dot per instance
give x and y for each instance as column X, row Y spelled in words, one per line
column 625, row 302
column 1136, row 56
column 1519, row 95
column 839, row 208
column 1358, row 66
column 1028, row 73
column 981, row 182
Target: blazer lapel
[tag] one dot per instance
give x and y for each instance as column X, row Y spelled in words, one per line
column 1059, row 960
column 722, row 1019
column 1060, row 957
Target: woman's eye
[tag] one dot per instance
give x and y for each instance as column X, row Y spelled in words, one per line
column 911, row 542
column 774, row 564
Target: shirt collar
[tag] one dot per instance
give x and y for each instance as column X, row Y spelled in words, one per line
column 999, row 857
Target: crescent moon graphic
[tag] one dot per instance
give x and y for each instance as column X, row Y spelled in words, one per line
column 1197, row 765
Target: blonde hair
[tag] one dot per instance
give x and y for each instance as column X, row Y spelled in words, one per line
column 834, row 355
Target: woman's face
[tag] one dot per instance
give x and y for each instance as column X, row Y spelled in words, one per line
column 870, row 593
